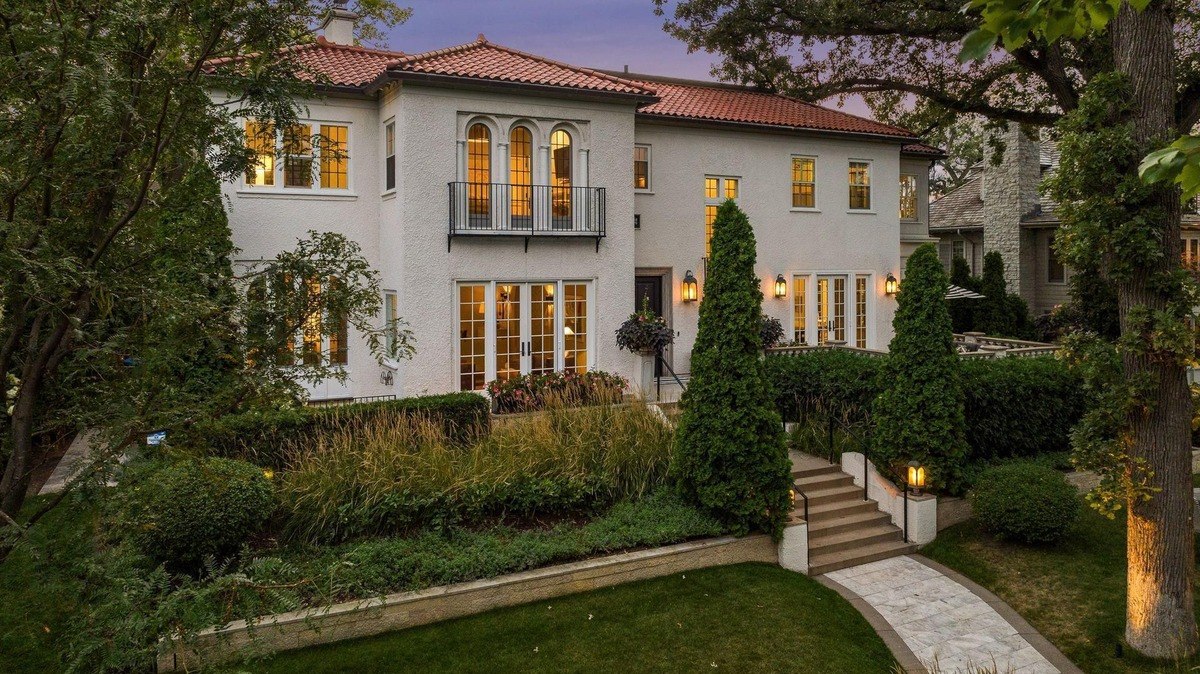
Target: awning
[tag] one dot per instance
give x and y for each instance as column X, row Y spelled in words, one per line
column 957, row 293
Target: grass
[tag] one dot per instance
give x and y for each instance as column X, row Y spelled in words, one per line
column 743, row 618
column 1074, row 593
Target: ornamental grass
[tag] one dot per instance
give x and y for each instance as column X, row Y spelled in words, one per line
column 401, row 474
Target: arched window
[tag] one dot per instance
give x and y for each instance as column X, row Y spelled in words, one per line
column 560, row 179
column 479, row 175
column 520, row 175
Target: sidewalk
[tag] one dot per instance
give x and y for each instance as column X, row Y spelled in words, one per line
column 934, row 619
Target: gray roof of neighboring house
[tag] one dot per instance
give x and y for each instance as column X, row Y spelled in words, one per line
column 961, row 208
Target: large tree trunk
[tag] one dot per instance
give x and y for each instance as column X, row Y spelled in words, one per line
column 1160, row 617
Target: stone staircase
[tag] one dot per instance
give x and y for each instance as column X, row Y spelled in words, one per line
column 843, row 529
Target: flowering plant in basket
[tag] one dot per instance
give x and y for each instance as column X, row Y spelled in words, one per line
column 645, row 332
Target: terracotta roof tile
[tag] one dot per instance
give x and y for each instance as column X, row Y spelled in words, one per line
column 727, row 103
column 922, row 149
column 483, row 60
column 335, row 64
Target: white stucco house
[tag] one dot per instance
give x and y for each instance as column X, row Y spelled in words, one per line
column 518, row 208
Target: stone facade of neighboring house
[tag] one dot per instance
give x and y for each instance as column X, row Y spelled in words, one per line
column 1001, row 208
column 518, row 208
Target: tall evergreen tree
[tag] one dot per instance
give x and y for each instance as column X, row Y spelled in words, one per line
column 919, row 416
column 962, row 311
column 730, row 456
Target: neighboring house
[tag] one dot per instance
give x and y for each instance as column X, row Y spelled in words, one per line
column 518, row 208
column 1001, row 207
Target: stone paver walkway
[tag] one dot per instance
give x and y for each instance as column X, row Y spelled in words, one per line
column 948, row 626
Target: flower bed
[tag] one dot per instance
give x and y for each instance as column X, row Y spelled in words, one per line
column 534, row 392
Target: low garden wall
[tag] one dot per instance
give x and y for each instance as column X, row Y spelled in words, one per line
column 350, row 620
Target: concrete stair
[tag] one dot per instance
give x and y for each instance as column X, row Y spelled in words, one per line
column 844, row 530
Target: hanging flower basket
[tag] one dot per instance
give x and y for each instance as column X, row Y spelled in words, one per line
column 645, row 332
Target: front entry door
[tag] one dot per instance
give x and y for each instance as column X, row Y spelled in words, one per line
column 649, row 289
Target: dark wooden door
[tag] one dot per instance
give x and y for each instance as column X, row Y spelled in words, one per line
column 649, row 288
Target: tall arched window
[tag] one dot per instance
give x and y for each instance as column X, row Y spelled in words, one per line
column 479, row 175
column 520, row 175
column 560, row 179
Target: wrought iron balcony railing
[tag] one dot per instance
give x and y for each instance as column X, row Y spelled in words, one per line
column 501, row 209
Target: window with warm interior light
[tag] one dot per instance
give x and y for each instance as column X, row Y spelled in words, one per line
column 804, row 182
column 908, row 196
column 479, row 174
column 260, row 138
column 520, row 175
column 302, row 152
column 860, row 185
column 799, row 315
column 560, row 179
column 714, row 188
column 641, row 167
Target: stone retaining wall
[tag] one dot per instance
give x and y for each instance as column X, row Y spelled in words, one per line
column 300, row 629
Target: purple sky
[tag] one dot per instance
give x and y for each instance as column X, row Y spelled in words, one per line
column 606, row 34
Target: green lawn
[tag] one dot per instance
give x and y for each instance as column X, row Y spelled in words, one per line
column 744, row 618
column 1074, row 594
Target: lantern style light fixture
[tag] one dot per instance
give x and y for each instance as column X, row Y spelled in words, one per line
column 690, row 289
column 891, row 286
column 916, row 477
column 780, row 286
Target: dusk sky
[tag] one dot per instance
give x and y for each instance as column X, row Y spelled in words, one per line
column 606, row 34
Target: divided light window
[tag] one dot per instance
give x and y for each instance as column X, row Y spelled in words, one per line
column 716, row 190
column 832, row 307
column 804, row 182
column 390, row 316
column 324, row 337
column 860, row 185
column 641, row 167
column 389, row 154
column 323, row 156
column 908, row 197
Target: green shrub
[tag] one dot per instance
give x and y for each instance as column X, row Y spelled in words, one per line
column 919, row 412
column 265, row 437
column 193, row 509
column 824, row 380
column 1020, row 407
column 730, row 455
column 400, row 474
column 535, row 391
column 1025, row 502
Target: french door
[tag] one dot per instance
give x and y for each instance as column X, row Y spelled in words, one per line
column 509, row 329
column 831, row 309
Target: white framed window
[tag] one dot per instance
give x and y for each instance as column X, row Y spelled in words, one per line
column 316, row 346
column 716, row 190
column 1191, row 252
column 908, row 196
column 389, row 156
column 804, row 182
column 506, row 329
column 833, row 307
column 391, row 313
column 315, row 156
column 641, row 168
column 859, row 178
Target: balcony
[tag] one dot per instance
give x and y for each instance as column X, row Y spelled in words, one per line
column 529, row 211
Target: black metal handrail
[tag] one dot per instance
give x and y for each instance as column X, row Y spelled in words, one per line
column 658, row 380
column 526, row 210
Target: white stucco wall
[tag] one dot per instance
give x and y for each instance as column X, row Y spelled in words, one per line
column 827, row 239
column 417, row 263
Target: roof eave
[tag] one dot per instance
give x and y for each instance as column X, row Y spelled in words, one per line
column 552, row 91
column 703, row 122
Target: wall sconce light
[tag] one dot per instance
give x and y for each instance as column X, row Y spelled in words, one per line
column 690, row 289
column 780, row 286
column 891, row 286
column 916, row 477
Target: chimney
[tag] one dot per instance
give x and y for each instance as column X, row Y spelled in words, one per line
column 1010, row 192
column 338, row 26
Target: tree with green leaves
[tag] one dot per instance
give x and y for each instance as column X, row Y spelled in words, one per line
column 1000, row 313
column 114, row 251
column 919, row 415
column 730, row 457
column 962, row 311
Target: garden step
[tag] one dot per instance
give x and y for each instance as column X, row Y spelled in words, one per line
column 832, row 495
column 855, row 521
column 836, row 509
column 855, row 539
column 842, row 559
column 839, row 479
column 807, row 471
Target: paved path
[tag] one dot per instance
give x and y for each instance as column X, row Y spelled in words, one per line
column 70, row 464
column 947, row 622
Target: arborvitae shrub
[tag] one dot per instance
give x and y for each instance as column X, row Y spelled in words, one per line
column 730, row 456
column 1025, row 502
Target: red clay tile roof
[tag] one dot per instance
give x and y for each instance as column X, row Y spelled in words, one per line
column 337, row 64
column 482, row 60
column 742, row 105
column 922, row 149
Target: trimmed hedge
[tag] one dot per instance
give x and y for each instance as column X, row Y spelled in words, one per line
column 1015, row 407
column 185, row 512
column 263, row 436
column 1025, row 502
